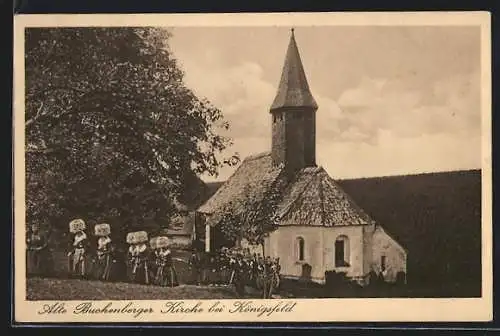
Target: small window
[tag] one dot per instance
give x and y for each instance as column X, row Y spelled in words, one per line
column 383, row 263
column 300, row 249
column 274, row 118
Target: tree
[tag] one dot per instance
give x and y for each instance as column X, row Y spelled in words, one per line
column 112, row 131
column 251, row 217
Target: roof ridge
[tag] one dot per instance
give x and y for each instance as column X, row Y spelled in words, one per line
column 257, row 156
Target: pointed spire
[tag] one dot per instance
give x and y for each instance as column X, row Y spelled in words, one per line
column 293, row 90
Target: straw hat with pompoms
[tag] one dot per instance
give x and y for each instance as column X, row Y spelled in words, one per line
column 77, row 225
column 102, row 230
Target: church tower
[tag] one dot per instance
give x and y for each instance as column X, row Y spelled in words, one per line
column 293, row 116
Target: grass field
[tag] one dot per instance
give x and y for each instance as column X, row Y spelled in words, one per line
column 73, row 289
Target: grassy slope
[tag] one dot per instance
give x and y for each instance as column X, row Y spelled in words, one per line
column 65, row 289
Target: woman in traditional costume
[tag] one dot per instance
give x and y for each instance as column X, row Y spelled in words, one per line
column 253, row 270
column 78, row 249
column 273, row 276
column 166, row 274
column 104, row 253
column 239, row 270
column 131, row 254
column 139, row 257
column 37, row 251
column 260, row 273
column 270, row 277
column 232, row 266
column 277, row 273
column 223, row 266
column 195, row 263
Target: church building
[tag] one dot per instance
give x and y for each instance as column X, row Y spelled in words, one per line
column 319, row 227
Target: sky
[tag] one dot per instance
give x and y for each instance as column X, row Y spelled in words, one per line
column 392, row 100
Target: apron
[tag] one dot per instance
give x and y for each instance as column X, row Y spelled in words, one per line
column 78, row 257
column 104, row 259
column 78, row 261
column 139, row 265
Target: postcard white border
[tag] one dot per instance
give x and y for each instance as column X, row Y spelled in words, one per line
column 306, row 310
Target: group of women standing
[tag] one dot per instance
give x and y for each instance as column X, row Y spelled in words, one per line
column 149, row 261
column 80, row 262
column 99, row 258
column 151, row 264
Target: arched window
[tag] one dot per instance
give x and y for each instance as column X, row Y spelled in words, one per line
column 342, row 251
column 383, row 265
column 300, row 244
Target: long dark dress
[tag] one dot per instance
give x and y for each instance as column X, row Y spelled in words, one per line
column 153, row 265
column 166, row 274
column 224, row 270
column 104, row 259
column 232, row 267
column 259, row 274
column 195, row 263
column 37, row 254
column 139, row 264
column 239, row 278
column 78, row 261
column 131, row 261
column 270, row 279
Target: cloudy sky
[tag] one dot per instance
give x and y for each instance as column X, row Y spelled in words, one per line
column 392, row 100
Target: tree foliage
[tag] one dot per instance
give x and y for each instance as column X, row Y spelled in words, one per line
column 251, row 219
column 112, row 132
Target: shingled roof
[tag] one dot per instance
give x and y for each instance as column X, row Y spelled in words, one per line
column 293, row 90
column 248, row 185
column 313, row 198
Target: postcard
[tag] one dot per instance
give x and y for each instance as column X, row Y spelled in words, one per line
column 292, row 167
